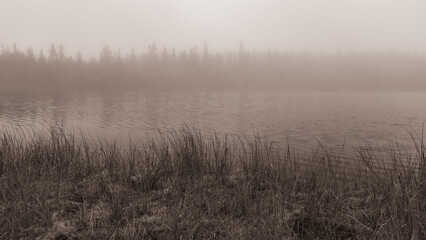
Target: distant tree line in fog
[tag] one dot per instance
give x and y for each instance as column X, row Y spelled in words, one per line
column 200, row 68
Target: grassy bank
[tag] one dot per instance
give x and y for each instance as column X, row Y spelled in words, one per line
column 187, row 185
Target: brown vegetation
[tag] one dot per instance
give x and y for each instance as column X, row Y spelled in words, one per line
column 187, row 185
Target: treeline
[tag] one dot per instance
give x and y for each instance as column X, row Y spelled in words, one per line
column 200, row 68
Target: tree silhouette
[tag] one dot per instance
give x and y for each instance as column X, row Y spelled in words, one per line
column 190, row 68
column 53, row 55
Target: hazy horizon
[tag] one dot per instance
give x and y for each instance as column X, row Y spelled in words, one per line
column 320, row 45
column 291, row 26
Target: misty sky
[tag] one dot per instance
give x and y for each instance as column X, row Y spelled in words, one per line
column 285, row 25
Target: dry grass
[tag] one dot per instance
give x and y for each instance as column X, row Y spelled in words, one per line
column 186, row 185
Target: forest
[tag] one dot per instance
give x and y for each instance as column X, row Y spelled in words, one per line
column 200, row 68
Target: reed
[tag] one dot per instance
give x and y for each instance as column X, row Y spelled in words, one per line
column 184, row 184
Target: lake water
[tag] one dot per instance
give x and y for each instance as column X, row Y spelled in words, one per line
column 303, row 119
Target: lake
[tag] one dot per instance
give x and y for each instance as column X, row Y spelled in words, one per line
column 302, row 119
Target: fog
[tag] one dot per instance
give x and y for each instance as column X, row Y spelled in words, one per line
column 206, row 119
column 325, row 45
column 327, row 26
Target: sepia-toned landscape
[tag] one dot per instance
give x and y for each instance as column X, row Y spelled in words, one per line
column 212, row 119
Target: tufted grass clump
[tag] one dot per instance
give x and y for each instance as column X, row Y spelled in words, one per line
column 58, row 184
